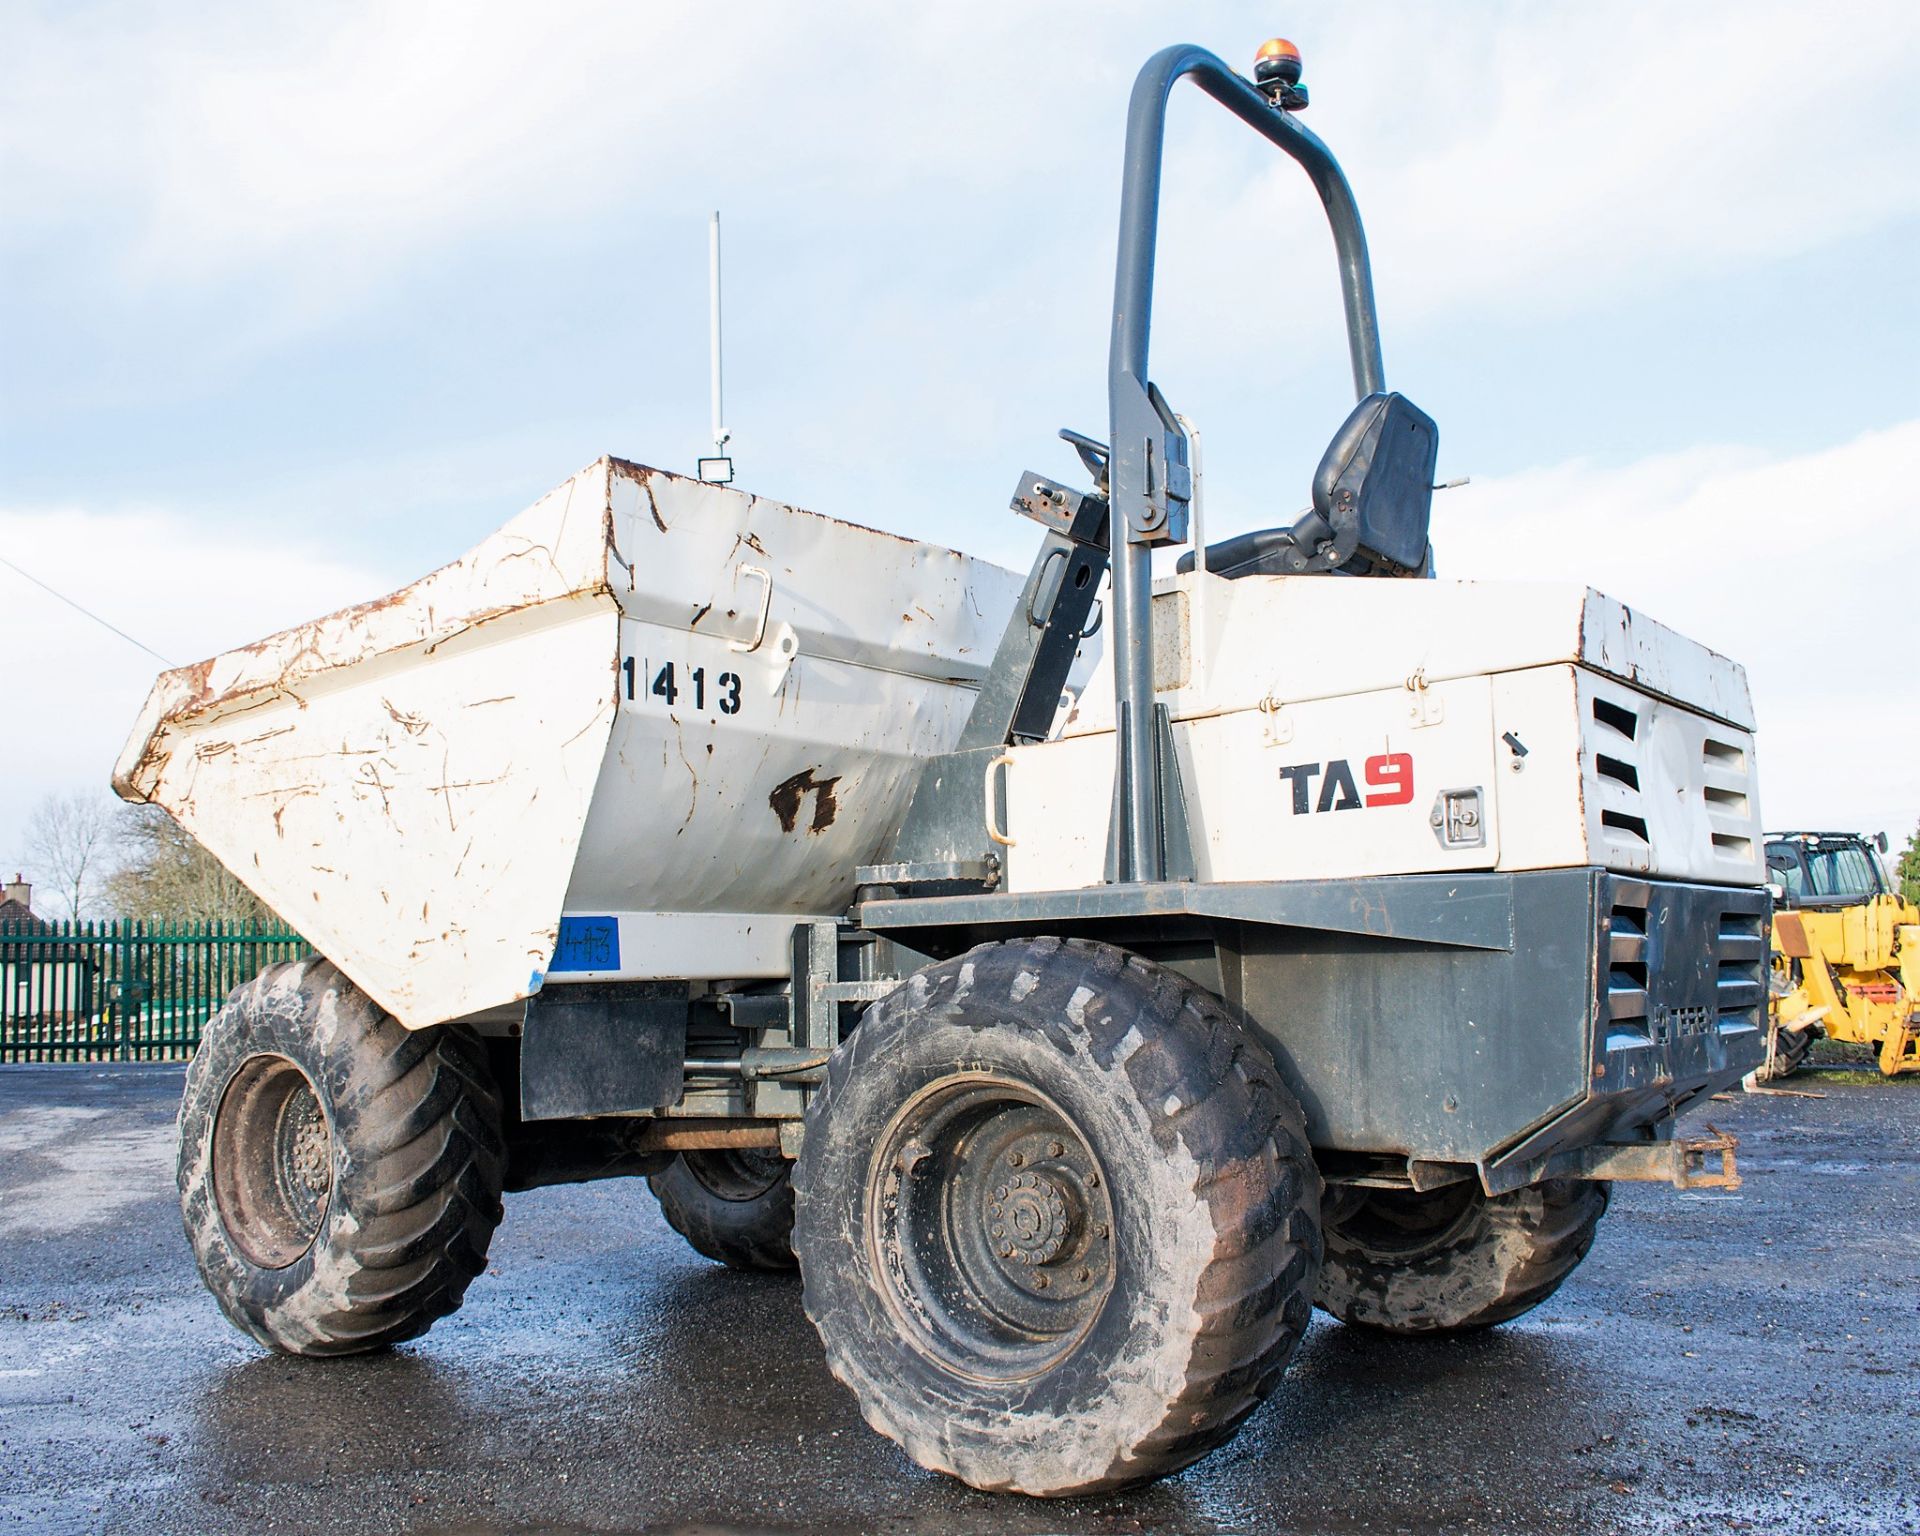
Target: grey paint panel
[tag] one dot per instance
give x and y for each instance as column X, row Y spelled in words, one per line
column 1423, row 1051
column 1465, row 911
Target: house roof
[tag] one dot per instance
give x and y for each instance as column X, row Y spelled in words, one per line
column 17, row 917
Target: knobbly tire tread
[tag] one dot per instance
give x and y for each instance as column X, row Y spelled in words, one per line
column 754, row 1234
column 1786, row 1053
column 1203, row 1082
column 1502, row 1257
column 418, row 1163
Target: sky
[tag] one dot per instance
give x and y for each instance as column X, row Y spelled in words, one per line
column 298, row 302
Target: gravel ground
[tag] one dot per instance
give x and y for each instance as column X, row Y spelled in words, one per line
column 1721, row 1362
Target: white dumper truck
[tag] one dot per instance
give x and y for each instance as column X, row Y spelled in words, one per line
column 1078, row 990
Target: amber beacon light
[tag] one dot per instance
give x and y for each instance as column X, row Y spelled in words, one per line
column 1276, row 70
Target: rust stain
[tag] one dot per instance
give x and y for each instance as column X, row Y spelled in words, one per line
column 788, row 794
column 369, row 778
column 642, row 475
column 413, row 725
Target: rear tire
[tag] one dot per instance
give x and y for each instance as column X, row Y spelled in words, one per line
column 735, row 1207
column 1453, row 1260
column 1057, row 1219
column 339, row 1174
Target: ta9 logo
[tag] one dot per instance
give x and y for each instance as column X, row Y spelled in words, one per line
column 1389, row 779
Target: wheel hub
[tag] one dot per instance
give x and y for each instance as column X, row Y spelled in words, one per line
column 272, row 1158
column 992, row 1226
column 1031, row 1217
column 307, row 1156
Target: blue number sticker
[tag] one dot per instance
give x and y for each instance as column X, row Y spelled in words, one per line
column 587, row 944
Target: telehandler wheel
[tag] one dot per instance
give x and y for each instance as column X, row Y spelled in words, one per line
column 1056, row 1217
column 734, row 1207
column 339, row 1174
column 1787, row 1052
column 1452, row 1260
column 1786, row 1048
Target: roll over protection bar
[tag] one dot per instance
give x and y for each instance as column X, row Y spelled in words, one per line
column 1148, row 465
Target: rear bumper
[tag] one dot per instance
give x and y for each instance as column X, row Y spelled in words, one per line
column 1680, row 1000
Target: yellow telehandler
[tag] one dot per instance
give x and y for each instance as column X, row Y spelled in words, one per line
column 1846, row 952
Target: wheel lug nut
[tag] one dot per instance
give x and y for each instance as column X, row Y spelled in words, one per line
column 1016, row 1159
column 1000, row 1232
column 1100, row 1229
column 1041, row 1282
column 1083, row 1275
column 1055, row 1148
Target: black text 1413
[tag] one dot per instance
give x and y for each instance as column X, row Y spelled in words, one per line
column 677, row 686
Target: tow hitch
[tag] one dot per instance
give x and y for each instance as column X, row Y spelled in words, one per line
column 1682, row 1162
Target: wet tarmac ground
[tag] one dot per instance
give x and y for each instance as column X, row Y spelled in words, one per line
column 1721, row 1362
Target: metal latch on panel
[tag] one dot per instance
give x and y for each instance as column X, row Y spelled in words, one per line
column 786, row 642
column 1427, row 708
column 1459, row 818
column 1277, row 727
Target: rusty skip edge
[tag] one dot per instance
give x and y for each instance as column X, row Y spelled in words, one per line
column 277, row 664
column 644, row 474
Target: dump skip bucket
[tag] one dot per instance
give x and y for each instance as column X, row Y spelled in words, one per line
column 680, row 712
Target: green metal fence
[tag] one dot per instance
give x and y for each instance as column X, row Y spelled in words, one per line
column 122, row 991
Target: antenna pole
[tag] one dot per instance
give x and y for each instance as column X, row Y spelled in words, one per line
column 720, row 433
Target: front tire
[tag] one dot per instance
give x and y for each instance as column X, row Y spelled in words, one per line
column 339, row 1174
column 1452, row 1260
column 735, row 1207
column 1056, row 1217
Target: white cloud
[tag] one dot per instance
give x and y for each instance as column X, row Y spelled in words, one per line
column 72, row 689
column 1543, row 156
column 1522, row 161
column 1799, row 568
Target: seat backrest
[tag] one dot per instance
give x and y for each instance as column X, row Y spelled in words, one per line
column 1372, row 500
column 1374, row 487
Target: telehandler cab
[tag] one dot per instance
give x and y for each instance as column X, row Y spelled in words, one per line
column 1077, row 1009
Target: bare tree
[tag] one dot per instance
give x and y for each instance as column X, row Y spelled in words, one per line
column 69, row 847
column 165, row 875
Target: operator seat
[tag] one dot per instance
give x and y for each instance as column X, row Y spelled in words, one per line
column 1372, row 501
